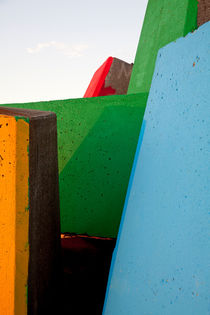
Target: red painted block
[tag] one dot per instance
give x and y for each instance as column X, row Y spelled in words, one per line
column 112, row 78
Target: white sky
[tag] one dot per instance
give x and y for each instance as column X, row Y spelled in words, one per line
column 49, row 49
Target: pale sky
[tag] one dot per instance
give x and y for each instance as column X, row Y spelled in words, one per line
column 50, row 49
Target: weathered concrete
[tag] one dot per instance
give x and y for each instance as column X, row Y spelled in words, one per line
column 203, row 11
column 29, row 208
column 164, row 22
column 97, row 140
column 118, row 77
column 161, row 263
column 112, row 78
column 13, row 207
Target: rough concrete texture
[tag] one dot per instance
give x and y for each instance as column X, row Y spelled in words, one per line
column 161, row 263
column 164, row 22
column 14, row 217
column 112, row 78
column 118, row 77
column 97, row 140
column 203, row 11
column 36, row 209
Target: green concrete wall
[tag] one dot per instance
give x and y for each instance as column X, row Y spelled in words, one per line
column 164, row 22
column 97, row 139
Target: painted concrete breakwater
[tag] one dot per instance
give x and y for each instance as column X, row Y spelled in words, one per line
column 112, row 78
column 161, row 263
column 97, row 139
column 29, row 207
column 13, row 293
column 164, row 22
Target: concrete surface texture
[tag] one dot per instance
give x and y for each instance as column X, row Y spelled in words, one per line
column 118, row 77
column 97, row 140
column 112, row 78
column 29, row 205
column 203, row 11
column 14, row 219
column 164, row 22
column 161, row 263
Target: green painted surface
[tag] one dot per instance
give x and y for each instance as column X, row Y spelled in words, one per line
column 97, row 139
column 164, row 22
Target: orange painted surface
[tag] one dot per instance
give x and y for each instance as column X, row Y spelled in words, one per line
column 7, row 213
column 22, row 216
column 14, row 252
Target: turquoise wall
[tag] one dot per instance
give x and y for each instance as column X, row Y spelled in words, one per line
column 161, row 262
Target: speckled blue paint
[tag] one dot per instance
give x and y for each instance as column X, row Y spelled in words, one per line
column 162, row 263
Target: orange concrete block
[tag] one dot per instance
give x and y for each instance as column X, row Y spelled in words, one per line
column 14, row 215
column 29, row 212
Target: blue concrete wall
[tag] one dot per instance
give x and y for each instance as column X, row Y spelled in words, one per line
column 161, row 265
